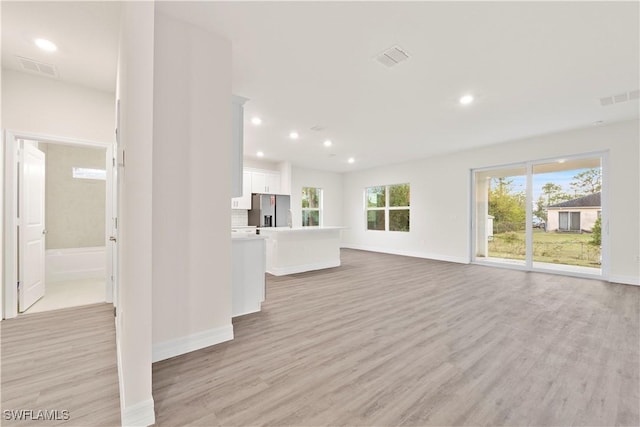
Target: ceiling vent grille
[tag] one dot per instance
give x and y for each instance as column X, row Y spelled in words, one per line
column 392, row 56
column 37, row 67
column 620, row 97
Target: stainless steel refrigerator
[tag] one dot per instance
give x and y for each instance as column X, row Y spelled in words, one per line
column 269, row 210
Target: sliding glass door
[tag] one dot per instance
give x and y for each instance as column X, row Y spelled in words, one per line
column 544, row 215
column 501, row 215
column 568, row 202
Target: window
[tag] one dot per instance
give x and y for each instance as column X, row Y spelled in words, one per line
column 311, row 206
column 88, row 173
column 569, row 221
column 388, row 207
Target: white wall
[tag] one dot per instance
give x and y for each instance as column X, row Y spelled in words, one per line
column 135, row 92
column 260, row 164
column 332, row 193
column 441, row 186
column 191, row 186
column 46, row 106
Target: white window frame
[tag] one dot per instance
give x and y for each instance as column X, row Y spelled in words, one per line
column 387, row 208
column 319, row 208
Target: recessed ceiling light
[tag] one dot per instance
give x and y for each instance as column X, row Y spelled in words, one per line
column 351, row 160
column 293, row 135
column 466, row 99
column 561, row 161
column 260, row 154
column 328, row 143
column 45, row 44
column 256, row 120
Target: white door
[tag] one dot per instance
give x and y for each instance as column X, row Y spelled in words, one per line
column 32, row 230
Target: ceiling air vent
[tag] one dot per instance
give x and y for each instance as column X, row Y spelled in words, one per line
column 620, row 97
column 37, row 67
column 392, row 56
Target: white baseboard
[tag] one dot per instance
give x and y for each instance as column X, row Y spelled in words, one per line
column 283, row 271
column 167, row 349
column 625, row 280
column 414, row 254
column 75, row 264
column 139, row 415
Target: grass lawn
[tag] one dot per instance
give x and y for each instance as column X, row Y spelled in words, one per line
column 552, row 247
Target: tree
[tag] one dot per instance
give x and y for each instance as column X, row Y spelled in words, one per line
column 587, row 182
column 506, row 206
column 596, row 237
column 541, row 209
column 554, row 193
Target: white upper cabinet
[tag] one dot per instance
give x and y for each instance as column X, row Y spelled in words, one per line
column 237, row 145
column 243, row 202
column 258, row 182
column 273, row 183
column 265, row 182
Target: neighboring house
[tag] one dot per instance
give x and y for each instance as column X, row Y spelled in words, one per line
column 574, row 215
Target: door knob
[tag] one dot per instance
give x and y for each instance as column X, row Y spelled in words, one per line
column 44, row 231
column 113, row 238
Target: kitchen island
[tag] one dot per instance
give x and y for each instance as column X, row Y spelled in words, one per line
column 300, row 249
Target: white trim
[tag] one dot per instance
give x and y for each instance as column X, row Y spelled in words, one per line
column 139, row 415
column 176, row 347
column 625, row 280
column 413, row 254
column 10, row 243
column 294, row 269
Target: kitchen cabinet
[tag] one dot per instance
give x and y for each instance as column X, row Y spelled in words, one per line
column 237, row 145
column 265, row 182
column 243, row 202
column 247, row 273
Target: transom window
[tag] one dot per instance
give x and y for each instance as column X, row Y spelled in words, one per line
column 387, row 207
column 311, row 206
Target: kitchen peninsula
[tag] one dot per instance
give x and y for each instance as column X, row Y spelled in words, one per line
column 300, row 249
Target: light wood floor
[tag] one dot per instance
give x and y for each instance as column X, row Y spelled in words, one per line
column 386, row 340
column 62, row 360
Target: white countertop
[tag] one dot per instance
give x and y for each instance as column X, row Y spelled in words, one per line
column 296, row 229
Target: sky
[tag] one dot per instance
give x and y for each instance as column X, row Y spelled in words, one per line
column 539, row 180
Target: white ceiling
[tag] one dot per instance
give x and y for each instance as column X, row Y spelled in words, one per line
column 86, row 34
column 534, row 68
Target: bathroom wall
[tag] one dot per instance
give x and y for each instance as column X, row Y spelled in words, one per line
column 75, row 207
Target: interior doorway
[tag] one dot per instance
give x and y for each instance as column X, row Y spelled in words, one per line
column 59, row 223
column 547, row 215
